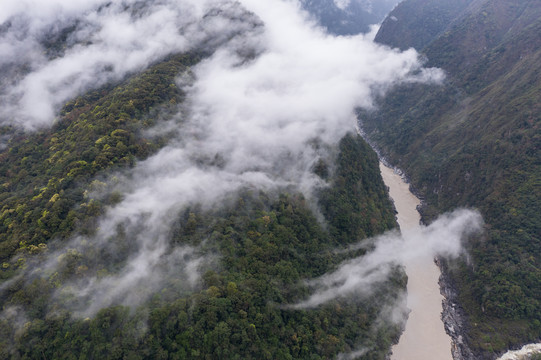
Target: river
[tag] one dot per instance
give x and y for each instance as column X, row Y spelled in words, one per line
column 424, row 337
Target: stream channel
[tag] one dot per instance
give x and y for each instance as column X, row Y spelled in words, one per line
column 424, row 337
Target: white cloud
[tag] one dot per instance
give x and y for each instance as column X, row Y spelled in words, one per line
column 105, row 41
column 362, row 275
column 342, row 4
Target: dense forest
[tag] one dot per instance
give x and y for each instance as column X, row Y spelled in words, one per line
column 475, row 141
column 261, row 246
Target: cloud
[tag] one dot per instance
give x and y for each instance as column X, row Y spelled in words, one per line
column 352, row 355
column 260, row 111
column 16, row 317
column 342, row 4
column 53, row 51
column 144, row 275
column 362, row 275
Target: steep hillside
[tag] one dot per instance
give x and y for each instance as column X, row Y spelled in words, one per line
column 348, row 17
column 164, row 213
column 475, row 141
column 416, row 23
column 267, row 244
column 44, row 175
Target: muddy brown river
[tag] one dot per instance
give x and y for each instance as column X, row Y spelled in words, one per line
column 424, row 337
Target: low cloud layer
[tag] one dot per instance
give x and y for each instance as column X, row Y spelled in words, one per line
column 362, row 275
column 55, row 50
column 259, row 112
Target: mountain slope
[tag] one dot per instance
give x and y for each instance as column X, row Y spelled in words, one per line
column 97, row 132
column 140, row 221
column 348, row 17
column 416, row 23
column 474, row 141
column 267, row 244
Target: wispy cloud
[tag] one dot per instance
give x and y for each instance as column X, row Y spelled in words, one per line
column 362, row 275
column 53, row 51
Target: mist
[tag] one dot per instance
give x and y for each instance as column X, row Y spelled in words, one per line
column 361, row 276
column 274, row 94
column 53, row 51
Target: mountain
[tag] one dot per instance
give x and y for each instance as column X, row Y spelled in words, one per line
column 348, row 17
column 416, row 23
column 182, row 179
column 474, row 141
column 267, row 243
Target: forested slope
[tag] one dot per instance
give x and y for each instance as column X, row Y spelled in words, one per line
column 415, row 23
column 475, row 141
column 44, row 175
column 261, row 246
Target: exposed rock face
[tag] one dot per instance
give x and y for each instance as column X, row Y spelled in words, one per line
column 454, row 318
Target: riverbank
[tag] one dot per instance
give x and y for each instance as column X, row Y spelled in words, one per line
column 453, row 316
